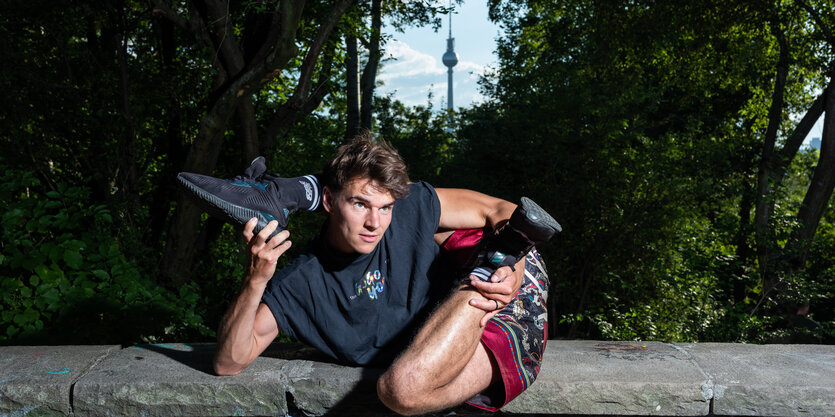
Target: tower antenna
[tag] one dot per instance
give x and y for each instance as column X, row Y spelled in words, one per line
column 450, row 59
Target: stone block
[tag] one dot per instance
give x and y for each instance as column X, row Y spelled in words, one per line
column 623, row 378
column 769, row 380
column 38, row 380
column 320, row 388
column 177, row 379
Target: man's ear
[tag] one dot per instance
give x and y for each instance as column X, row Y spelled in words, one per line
column 327, row 199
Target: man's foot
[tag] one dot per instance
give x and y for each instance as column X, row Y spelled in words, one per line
column 529, row 225
column 241, row 198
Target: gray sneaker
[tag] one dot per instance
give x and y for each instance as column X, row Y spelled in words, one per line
column 241, row 198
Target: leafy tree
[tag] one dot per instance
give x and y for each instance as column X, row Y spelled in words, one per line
column 640, row 125
column 249, row 45
column 360, row 85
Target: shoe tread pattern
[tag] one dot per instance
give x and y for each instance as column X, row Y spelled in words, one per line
column 222, row 209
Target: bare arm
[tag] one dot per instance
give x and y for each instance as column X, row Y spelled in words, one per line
column 248, row 326
column 466, row 209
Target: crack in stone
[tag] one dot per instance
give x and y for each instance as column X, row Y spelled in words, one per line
column 708, row 389
column 83, row 373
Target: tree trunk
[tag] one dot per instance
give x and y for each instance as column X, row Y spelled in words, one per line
column 127, row 146
column 248, row 129
column 202, row 157
column 210, row 23
column 170, row 144
column 766, row 177
column 820, row 189
column 352, row 81
column 369, row 73
column 743, row 249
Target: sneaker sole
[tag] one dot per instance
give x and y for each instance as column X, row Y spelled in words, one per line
column 538, row 215
column 224, row 210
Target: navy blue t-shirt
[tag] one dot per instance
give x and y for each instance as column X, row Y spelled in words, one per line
column 364, row 308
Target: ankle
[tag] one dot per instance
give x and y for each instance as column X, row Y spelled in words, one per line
column 303, row 192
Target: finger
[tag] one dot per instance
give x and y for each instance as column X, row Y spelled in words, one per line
column 486, row 318
column 280, row 249
column 492, row 288
column 486, row 305
column 249, row 229
column 279, row 238
column 501, row 274
column 265, row 233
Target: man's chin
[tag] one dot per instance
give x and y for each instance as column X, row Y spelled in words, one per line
column 364, row 247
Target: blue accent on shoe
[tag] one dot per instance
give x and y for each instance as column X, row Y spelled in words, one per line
column 240, row 183
column 239, row 199
column 248, row 184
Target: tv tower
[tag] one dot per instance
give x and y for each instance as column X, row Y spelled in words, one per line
column 450, row 59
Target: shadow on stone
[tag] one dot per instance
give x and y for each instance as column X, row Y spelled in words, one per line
column 197, row 356
column 362, row 398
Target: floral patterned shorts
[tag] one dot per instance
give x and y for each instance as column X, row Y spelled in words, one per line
column 517, row 335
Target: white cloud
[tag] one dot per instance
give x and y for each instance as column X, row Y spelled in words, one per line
column 403, row 61
column 411, row 74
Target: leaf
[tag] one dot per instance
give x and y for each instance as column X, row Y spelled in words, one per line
column 73, row 259
column 101, row 274
column 42, row 271
column 28, row 316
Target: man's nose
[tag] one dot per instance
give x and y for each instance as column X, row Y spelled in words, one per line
column 372, row 219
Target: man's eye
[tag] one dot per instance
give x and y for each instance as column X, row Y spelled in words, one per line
column 359, row 205
column 385, row 209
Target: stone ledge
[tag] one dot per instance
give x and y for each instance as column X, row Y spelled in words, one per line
column 578, row 377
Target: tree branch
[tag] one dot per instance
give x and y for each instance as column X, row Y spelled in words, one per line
column 820, row 187
column 817, row 18
column 226, row 45
column 291, row 112
column 312, row 56
column 789, row 150
column 194, row 25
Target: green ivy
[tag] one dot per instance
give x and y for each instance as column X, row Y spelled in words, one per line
column 65, row 278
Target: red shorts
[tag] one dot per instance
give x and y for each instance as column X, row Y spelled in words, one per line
column 517, row 335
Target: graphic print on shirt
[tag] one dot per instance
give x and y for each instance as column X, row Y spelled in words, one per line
column 373, row 284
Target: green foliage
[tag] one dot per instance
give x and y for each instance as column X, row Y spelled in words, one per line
column 422, row 137
column 65, row 279
column 639, row 125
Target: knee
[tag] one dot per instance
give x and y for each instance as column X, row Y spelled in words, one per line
column 397, row 394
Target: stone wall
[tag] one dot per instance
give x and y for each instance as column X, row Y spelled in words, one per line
column 578, row 377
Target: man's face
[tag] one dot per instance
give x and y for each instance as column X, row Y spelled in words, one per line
column 359, row 215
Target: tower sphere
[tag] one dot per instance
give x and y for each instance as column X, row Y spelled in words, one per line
column 450, row 58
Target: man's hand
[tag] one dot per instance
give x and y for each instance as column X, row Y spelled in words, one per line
column 263, row 250
column 499, row 292
column 248, row 326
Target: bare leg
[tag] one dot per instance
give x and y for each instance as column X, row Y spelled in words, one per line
column 445, row 365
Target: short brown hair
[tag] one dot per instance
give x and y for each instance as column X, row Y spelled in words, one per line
column 368, row 157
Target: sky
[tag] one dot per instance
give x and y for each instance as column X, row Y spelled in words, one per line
column 412, row 66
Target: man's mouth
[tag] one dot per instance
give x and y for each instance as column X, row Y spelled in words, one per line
column 368, row 238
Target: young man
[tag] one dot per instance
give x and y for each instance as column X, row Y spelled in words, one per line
column 374, row 290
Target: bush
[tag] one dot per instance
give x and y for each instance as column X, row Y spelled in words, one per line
column 64, row 278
